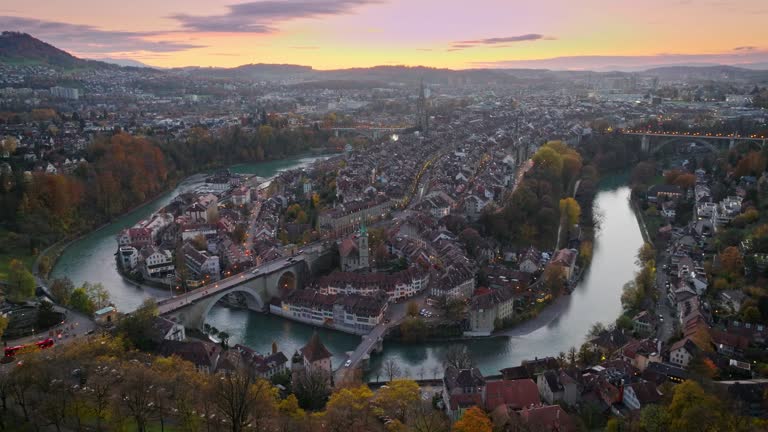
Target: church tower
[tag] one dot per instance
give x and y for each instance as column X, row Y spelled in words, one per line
column 362, row 247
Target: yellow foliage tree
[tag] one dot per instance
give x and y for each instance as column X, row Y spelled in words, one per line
column 473, row 420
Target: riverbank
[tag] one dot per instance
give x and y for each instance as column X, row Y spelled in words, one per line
column 91, row 258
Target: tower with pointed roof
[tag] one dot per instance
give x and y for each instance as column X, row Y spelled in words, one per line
column 362, row 247
column 316, row 355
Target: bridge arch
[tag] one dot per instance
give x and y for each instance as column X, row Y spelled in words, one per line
column 194, row 317
column 684, row 140
column 749, row 145
column 287, row 281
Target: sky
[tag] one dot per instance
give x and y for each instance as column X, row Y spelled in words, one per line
column 458, row 34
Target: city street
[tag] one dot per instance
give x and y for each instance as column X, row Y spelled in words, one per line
column 667, row 327
column 74, row 327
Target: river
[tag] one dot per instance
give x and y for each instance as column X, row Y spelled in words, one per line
column 91, row 258
column 560, row 326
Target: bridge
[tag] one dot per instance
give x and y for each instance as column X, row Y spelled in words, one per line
column 259, row 285
column 664, row 138
column 370, row 132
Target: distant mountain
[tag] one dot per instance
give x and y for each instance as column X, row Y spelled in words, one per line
column 258, row 72
column 125, row 62
column 22, row 48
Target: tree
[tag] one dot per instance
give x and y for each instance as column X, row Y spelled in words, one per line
column 391, row 369
column 473, row 420
column 548, row 158
column 98, row 295
column 452, row 308
column 311, row 388
column 652, row 418
column 291, row 415
column 570, row 210
column 61, row 289
column 137, row 327
column 45, row 265
column 242, row 399
column 413, row 329
column 399, row 398
column 693, row 409
column 350, row 410
column 553, row 279
column 413, row 308
column 731, row 262
column 21, row 283
column 136, row 393
column 80, row 301
column 3, row 324
column 458, row 357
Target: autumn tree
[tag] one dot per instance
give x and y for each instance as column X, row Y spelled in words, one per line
column 731, row 262
column 242, row 399
column 693, row 409
column 554, row 279
column 473, row 420
column 21, row 283
column 350, row 410
column 61, row 289
column 398, row 398
column 571, row 210
column 413, row 308
column 3, row 324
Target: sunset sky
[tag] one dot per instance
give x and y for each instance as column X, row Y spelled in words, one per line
column 328, row 34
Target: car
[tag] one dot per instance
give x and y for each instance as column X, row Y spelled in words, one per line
column 348, row 363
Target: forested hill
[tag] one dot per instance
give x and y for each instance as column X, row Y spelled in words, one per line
column 22, row 48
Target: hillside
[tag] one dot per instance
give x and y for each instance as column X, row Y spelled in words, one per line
column 21, row 48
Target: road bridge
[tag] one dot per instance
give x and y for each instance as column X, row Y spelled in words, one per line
column 653, row 141
column 259, row 285
column 370, row 132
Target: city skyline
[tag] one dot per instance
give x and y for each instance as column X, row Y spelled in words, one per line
column 330, row 34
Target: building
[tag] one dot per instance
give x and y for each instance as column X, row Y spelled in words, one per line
column 515, row 394
column 129, row 257
column 462, row 389
column 530, row 261
column 354, row 251
column 157, row 263
column 164, row 329
column 556, row 386
column 315, row 356
column 265, row 366
column 65, row 93
column 642, row 323
column 204, row 355
column 351, row 313
column 348, row 217
column 107, row 315
column 454, row 283
column 565, row 258
column 488, row 310
column 682, row 352
column 398, row 286
column 201, row 263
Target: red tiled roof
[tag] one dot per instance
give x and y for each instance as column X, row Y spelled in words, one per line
column 515, row 393
column 548, row 418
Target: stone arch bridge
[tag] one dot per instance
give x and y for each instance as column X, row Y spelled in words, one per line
column 258, row 285
column 652, row 142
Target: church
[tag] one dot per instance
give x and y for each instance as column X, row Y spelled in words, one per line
column 354, row 251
